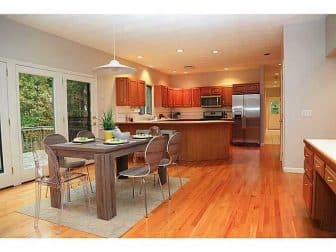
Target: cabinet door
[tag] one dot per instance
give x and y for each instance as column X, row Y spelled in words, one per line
column 187, row 100
column 196, row 97
column 252, row 88
column 170, row 93
column 122, row 96
column 141, row 93
column 164, row 96
column 205, row 91
column 158, row 96
column 238, row 89
column 308, row 193
column 216, row 91
column 133, row 93
column 227, row 96
column 178, row 98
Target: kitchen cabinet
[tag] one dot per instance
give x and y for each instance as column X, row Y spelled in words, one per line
column 319, row 182
column 205, row 91
column 170, row 97
column 216, row 91
column 227, row 96
column 187, row 97
column 130, row 92
column 196, row 97
column 248, row 88
column 164, row 96
column 141, row 93
column 122, row 91
column 160, row 96
column 178, row 98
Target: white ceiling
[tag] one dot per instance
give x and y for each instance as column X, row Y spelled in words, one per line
column 241, row 39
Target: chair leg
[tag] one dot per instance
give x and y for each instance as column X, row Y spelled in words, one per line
column 133, row 186
column 154, row 178
column 163, row 197
column 141, row 185
column 68, row 188
column 38, row 188
column 87, row 170
column 85, row 182
column 168, row 182
column 144, row 183
column 46, row 194
column 60, row 211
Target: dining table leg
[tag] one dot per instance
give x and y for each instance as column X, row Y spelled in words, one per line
column 105, row 186
column 55, row 194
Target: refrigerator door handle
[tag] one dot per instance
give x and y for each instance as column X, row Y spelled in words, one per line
column 243, row 115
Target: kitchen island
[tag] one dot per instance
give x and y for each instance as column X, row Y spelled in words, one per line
column 201, row 140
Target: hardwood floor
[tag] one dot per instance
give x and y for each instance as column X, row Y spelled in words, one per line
column 247, row 196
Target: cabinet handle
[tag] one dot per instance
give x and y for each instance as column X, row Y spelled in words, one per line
column 330, row 180
column 305, row 184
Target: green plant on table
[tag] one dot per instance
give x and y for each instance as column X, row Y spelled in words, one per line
column 107, row 121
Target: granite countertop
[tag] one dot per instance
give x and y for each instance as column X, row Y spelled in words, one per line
column 326, row 147
column 179, row 121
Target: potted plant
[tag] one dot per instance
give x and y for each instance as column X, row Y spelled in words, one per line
column 108, row 124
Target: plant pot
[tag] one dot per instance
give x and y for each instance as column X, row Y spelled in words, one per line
column 108, row 134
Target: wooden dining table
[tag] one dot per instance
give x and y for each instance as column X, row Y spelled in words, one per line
column 105, row 157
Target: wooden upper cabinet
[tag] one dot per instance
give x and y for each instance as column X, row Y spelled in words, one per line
column 178, row 97
column 205, row 91
column 216, row 90
column 227, row 96
column 133, row 93
column 187, row 97
column 248, row 88
column 122, row 91
column 170, row 97
column 253, row 88
column 141, row 93
column 164, row 96
column 196, row 97
column 158, row 96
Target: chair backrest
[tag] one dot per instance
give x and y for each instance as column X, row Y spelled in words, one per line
column 54, row 164
column 85, row 133
column 38, row 168
column 154, row 152
column 174, row 147
column 155, row 131
column 54, row 139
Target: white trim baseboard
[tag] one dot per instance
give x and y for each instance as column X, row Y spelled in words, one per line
column 293, row 169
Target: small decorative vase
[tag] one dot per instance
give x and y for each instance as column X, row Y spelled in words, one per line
column 108, row 134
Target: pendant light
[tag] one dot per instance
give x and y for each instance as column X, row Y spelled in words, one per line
column 114, row 67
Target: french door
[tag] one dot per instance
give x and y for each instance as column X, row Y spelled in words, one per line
column 6, row 170
column 34, row 103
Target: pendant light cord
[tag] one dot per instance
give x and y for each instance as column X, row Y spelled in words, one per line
column 114, row 41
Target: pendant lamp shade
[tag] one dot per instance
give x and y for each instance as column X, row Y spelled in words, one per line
column 114, row 67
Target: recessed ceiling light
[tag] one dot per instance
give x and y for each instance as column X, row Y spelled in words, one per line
column 279, row 64
column 215, row 51
column 185, row 72
column 151, row 66
column 276, row 74
column 266, row 54
column 139, row 56
column 179, row 50
column 226, row 68
column 174, row 71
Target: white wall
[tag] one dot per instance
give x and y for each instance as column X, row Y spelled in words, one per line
column 309, row 83
column 331, row 36
column 23, row 43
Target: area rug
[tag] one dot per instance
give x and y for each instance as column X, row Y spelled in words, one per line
column 129, row 210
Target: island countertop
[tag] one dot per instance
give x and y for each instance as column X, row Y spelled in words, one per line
column 326, row 148
column 201, row 140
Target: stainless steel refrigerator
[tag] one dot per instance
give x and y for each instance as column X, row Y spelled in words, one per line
column 246, row 116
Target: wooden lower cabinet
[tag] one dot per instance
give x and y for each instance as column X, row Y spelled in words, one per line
column 308, row 193
column 319, row 187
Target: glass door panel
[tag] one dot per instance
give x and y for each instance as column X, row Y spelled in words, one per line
column 6, row 171
column 78, row 107
column 36, row 117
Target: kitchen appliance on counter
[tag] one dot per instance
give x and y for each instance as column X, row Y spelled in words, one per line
column 213, row 115
column 212, row 101
column 246, row 117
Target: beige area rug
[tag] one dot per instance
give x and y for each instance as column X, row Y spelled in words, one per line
column 129, row 210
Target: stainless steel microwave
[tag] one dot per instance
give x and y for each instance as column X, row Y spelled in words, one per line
column 212, row 101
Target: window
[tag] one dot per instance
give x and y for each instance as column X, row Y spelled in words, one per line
column 148, row 107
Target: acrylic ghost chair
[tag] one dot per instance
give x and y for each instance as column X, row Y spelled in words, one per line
column 57, row 180
column 153, row 155
column 154, row 131
column 173, row 150
column 69, row 164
